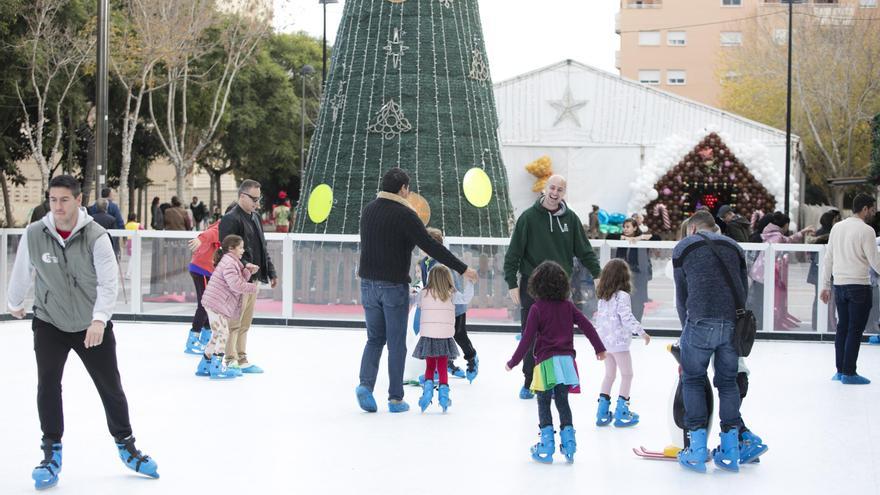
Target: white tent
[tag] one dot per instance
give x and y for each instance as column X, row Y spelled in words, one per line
column 603, row 131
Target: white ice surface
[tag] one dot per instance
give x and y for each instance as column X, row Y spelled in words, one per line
column 297, row 428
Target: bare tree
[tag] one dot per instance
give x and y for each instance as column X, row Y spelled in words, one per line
column 152, row 32
column 55, row 54
column 237, row 36
column 835, row 86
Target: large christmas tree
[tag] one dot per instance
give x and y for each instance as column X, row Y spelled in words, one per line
column 408, row 86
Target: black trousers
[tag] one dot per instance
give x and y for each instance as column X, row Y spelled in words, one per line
column 200, row 319
column 462, row 339
column 525, row 303
column 560, row 395
column 52, row 346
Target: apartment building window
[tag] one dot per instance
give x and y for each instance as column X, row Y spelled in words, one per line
column 649, row 76
column 731, row 3
column 870, row 4
column 644, row 4
column 676, row 77
column 780, row 36
column 676, row 38
column 731, row 38
column 649, row 38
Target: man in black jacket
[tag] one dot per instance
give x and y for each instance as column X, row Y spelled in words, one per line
column 390, row 230
column 243, row 221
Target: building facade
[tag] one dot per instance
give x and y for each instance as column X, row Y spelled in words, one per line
column 677, row 45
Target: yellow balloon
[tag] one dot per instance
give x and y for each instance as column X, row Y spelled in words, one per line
column 320, row 203
column 477, row 187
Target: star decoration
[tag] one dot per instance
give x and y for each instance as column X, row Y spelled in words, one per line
column 394, row 48
column 567, row 108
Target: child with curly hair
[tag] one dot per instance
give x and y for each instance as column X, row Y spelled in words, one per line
column 549, row 326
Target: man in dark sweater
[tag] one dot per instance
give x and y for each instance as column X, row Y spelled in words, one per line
column 548, row 231
column 707, row 311
column 390, row 230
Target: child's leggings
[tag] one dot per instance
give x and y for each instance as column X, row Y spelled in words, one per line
column 438, row 363
column 545, row 418
column 613, row 362
column 219, row 333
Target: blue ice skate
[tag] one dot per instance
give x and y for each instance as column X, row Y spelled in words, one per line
column 422, row 378
column 443, row 397
column 218, row 370
column 204, row 367
column 874, row 339
column 543, row 450
column 623, row 417
column 398, row 406
column 603, row 415
column 473, row 368
column 427, row 394
column 567, row 443
column 46, row 474
column 751, row 447
column 726, row 455
column 365, row 399
column 695, row 455
column 455, row 370
column 205, row 336
column 193, row 345
column 135, row 460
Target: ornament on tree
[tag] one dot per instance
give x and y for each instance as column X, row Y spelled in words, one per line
column 390, row 122
column 479, row 67
column 661, row 209
column 446, row 3
column 395, row 48
column 336, row 102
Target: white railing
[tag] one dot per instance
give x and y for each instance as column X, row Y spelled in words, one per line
column 317, row 273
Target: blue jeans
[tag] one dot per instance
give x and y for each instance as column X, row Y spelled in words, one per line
column 386, row 306
column 700, row 340
column 853, row 307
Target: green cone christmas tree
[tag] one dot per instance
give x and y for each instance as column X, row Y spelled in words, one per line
column 408, row 87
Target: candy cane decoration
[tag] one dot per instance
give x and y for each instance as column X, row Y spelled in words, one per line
column 664, row 213
column 756, row 215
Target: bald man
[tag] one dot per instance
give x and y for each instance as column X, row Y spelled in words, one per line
column 547, row 231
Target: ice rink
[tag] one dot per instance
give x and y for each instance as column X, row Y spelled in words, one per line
column 298, row 429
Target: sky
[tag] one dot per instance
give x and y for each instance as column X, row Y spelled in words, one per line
column 520, row 35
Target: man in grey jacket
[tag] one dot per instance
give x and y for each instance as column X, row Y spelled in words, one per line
column 72, row 261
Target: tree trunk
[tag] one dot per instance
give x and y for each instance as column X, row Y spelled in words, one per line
column 6, row 207
column 89, row 172
column 140, row 204
column 838, row 193
column 124, row 189
column 181, row 169
column 216, row 180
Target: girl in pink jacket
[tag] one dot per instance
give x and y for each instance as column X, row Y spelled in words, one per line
column 436, row 330
column 616, row 325
column 222, row 302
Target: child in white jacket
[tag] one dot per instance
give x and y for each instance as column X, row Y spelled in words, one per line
column 616, row 324
column 436, row 330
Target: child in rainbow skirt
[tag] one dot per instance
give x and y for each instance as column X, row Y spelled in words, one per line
column 549, row 327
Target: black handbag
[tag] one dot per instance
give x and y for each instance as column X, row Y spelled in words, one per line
column 745, row 330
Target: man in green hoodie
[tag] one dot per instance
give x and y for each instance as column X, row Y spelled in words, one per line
column 547, row 231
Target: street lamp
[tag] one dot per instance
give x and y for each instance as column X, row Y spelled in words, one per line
column 324, row 44
column 788, row 110
column 306, row 71
column 101, row 92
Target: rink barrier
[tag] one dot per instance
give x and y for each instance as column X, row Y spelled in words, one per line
column 321, row 269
